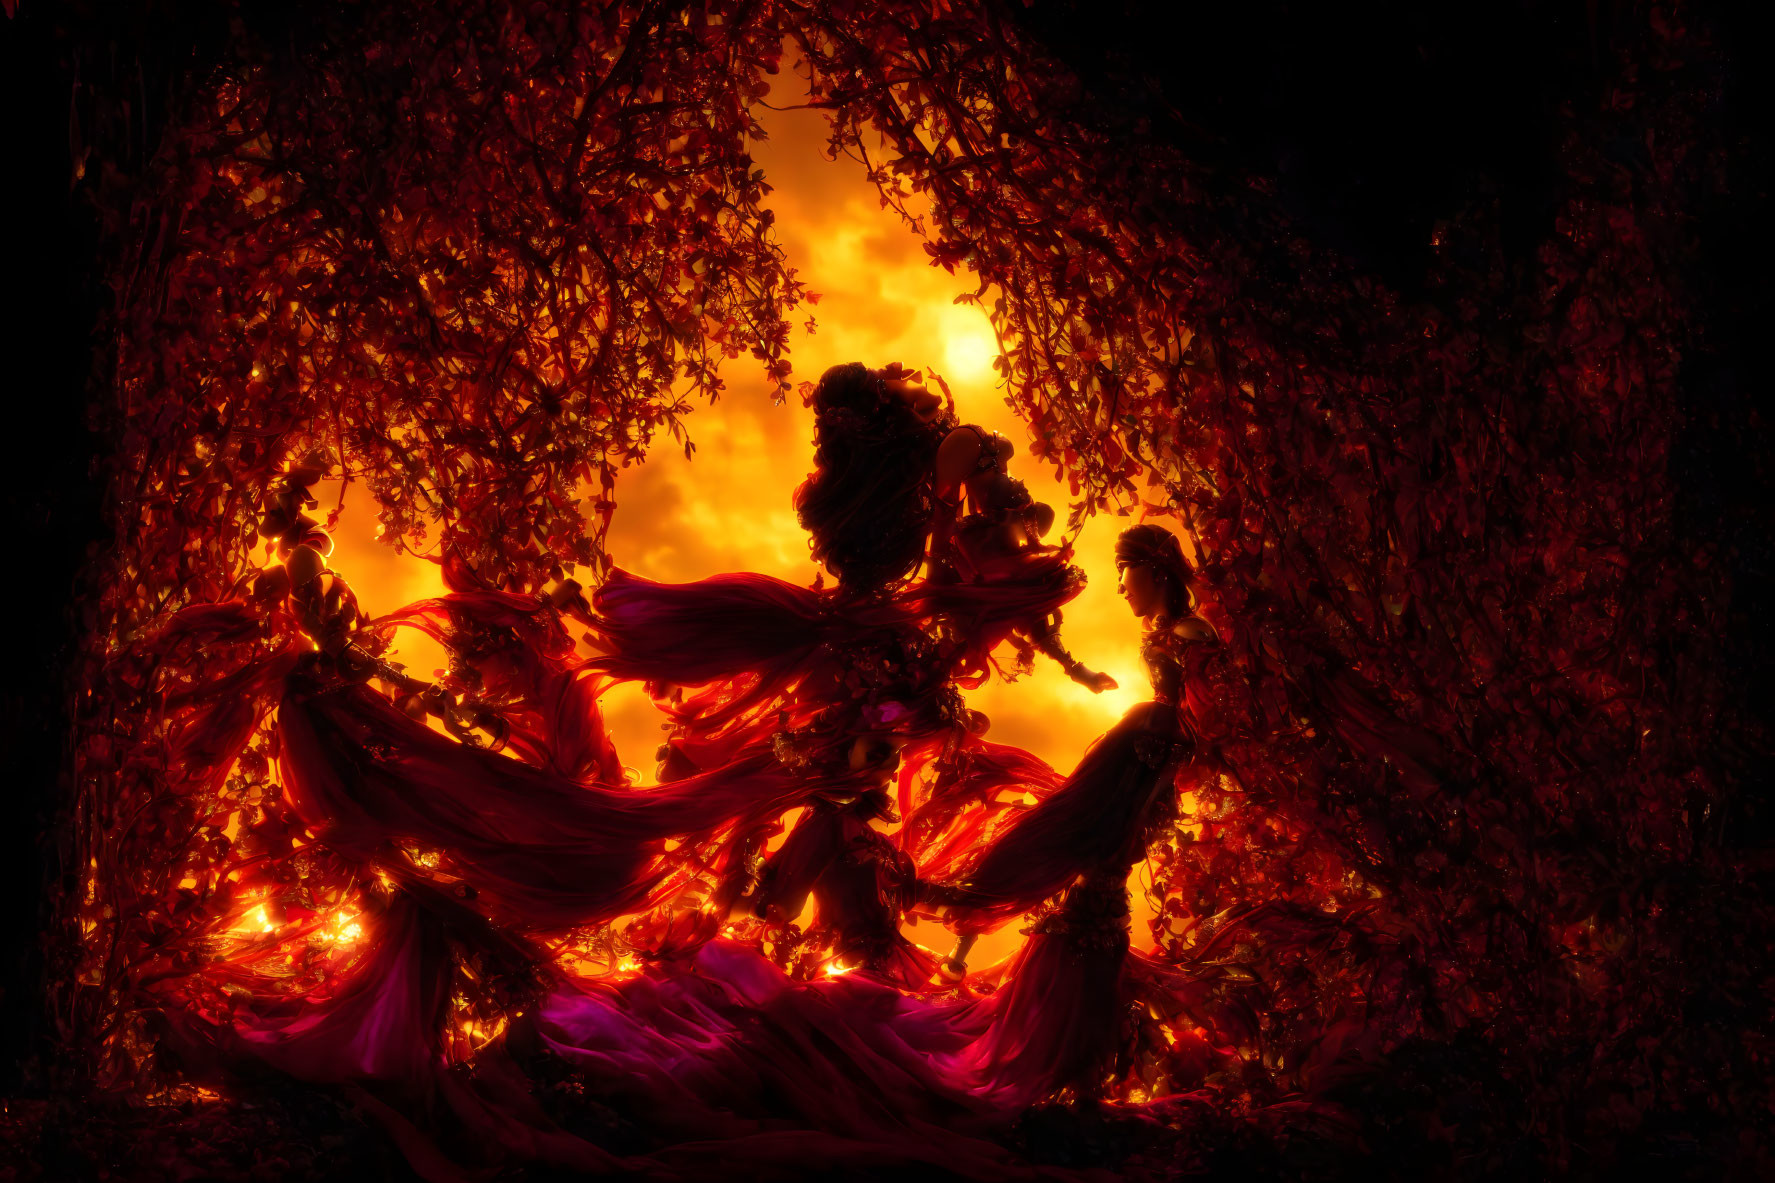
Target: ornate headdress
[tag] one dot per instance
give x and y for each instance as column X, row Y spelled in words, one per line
column 1159, row 551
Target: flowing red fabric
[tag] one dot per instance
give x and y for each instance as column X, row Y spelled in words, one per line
column 524, row 659
column 766, row 653
column 727, row 1047
column 1056, row 1022
column 376, row 1031
column 1009, row 594
column 378, row 1020
column 538, row 851
column 768, row 660
column 860, row 884
column 716, row 1062
column 1095, row 819
column 722, row 1057
column 712, row 1043
column 691, row 634
column 961, row 813
column 214, row 719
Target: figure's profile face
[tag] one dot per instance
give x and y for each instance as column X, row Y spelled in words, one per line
column 924, row 404
column 1142, row 590
column 904, row 385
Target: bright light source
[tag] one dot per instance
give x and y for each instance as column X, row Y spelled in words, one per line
column 969, row 347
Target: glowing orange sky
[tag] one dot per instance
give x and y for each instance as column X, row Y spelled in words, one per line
column 728, row 509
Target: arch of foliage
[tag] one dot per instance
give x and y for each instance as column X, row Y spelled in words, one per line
column 488, row 251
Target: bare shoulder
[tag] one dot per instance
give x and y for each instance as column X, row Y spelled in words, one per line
column 1193, row 628
column 960, row 441
column 956, row 457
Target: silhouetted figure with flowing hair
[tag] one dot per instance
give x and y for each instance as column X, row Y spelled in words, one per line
column 869, row 503
column 1056, row 1023
column 745, row 664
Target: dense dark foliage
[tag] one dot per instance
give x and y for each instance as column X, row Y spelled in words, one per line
column 1446, row 377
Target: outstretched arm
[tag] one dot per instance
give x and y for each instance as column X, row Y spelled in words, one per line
column 1048, row 641
column 955, row 966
